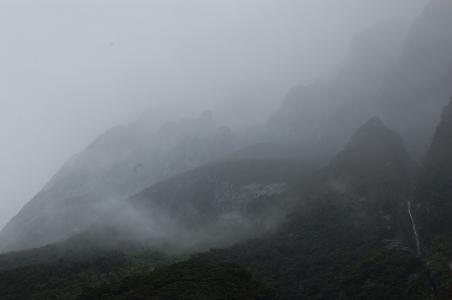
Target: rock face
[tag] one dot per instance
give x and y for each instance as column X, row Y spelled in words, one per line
column 120, row 163
column 337, row 234
column 374, row 152
column 378, row 80
column 216, row 205
column 434, row 189
column 421, row 78
column 219, row 204
column 349, row 237
column 373, row 177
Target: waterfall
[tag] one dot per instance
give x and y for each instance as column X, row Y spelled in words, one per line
column 416, row 235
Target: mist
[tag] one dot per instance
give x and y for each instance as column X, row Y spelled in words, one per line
column 225, row 149
column 70, row 70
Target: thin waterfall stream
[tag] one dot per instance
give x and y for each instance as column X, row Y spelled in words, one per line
column 416, row 235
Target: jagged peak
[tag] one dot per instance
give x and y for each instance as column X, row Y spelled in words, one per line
column 374, row 122
column 446, row 122
column 440, row 2
column 434, row 6
column 438, row 9
column 434, row 190
column 447, row 112
column 371, row 130
column 441, row 146
column 373, row 147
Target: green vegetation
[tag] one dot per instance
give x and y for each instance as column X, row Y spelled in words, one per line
column 186, row 280
column 144, row 275
column 68, row 278
column 320, row 254
column 348, row 236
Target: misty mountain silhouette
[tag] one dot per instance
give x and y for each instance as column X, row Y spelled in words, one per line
column 373, row 176
column 351, row 225
column 374, row 150
column 434, row 188
column 106, row 173
column 346, row 224
column 376, row 80
column 324, row 202
column 317, row 120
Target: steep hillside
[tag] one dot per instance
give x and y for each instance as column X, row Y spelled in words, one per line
column 375, row 173
column 219, row 204
column 117, row 165
column 434, row 189
column 344, row 233
column 386, row 73
column 215, row 205
column 432, row 207
column 350, row 238
column 421, row 78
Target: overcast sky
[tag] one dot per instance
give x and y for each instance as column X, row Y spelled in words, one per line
column 69, row 69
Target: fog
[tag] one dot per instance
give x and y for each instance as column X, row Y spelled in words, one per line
column 69, row 70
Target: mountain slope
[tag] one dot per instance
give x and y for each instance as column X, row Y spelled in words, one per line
column 434, row 188
column 214, row 205
column 344, row 236
column 117, row 165
column 432, row 207
column 376, row 171
column 219, row 204
column 349, row 238
column 384, row 77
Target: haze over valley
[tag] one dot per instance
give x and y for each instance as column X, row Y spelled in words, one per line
column 226, row 149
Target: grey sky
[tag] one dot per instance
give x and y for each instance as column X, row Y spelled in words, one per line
column 70, row 69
